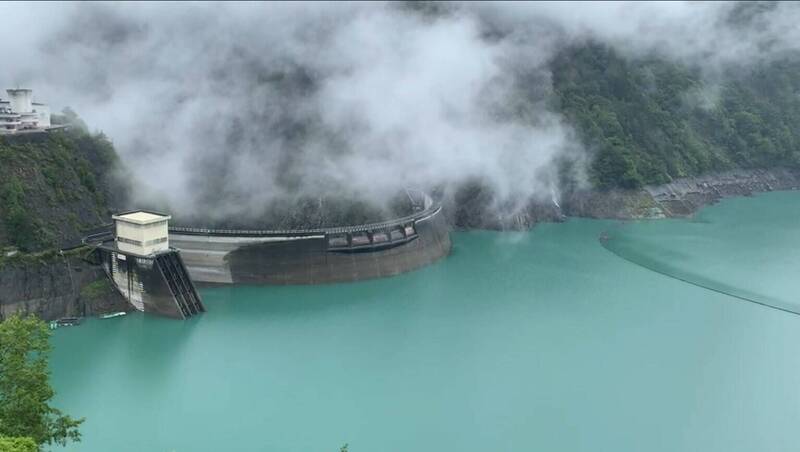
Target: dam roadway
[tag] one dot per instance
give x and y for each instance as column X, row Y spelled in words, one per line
column 314, row 256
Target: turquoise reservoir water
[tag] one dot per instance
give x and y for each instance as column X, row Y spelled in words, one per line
column 536, row 341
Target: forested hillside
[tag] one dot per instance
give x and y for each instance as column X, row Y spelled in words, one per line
column 53, row 186
column 647, row 121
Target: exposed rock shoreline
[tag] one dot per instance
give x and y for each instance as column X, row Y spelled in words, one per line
column 680, row 198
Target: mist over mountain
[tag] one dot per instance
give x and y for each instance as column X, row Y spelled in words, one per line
column 231, row 109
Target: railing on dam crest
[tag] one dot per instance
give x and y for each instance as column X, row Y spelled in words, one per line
column 429, row 209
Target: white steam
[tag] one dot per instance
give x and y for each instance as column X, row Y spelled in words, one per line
column 228, row 106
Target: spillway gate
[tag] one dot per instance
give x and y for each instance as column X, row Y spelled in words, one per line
column 179, row 283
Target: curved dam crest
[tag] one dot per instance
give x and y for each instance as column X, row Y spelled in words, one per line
column 315, row 256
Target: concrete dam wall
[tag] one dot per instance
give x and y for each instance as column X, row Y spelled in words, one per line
column 315, row 256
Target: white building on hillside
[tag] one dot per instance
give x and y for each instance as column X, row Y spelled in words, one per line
column 20, row 113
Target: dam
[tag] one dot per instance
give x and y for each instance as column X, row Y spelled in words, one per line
column 315, row 256
column 155, row 266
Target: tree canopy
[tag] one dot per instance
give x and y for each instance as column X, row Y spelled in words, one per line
column 25, row 391
column 649, row 120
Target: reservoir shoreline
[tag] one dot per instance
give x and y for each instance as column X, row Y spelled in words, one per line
column 680, row 198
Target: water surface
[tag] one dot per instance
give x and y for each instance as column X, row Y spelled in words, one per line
column 541, row 340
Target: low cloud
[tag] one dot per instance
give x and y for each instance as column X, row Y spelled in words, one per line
column 226, row 108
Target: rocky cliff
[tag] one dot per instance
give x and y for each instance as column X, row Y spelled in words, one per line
column 53, row 285
column 681, row 197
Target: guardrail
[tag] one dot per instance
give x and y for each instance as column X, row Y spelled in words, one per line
column 430, row 208
column 99, row 236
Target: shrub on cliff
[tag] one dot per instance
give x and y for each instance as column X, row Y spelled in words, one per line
column 21, row 228
column 25, row 391
column 97, row 290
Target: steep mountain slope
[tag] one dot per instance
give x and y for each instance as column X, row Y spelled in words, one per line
column 53, row 186
column 648, row 121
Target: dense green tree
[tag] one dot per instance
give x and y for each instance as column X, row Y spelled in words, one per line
column 25, row 391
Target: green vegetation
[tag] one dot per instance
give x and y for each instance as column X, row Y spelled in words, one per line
column 25, row 391
column 23, row 230
column 97, row 290
column 41, row 257
column 53, row 186
column 18, row 445
column 649, row 121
